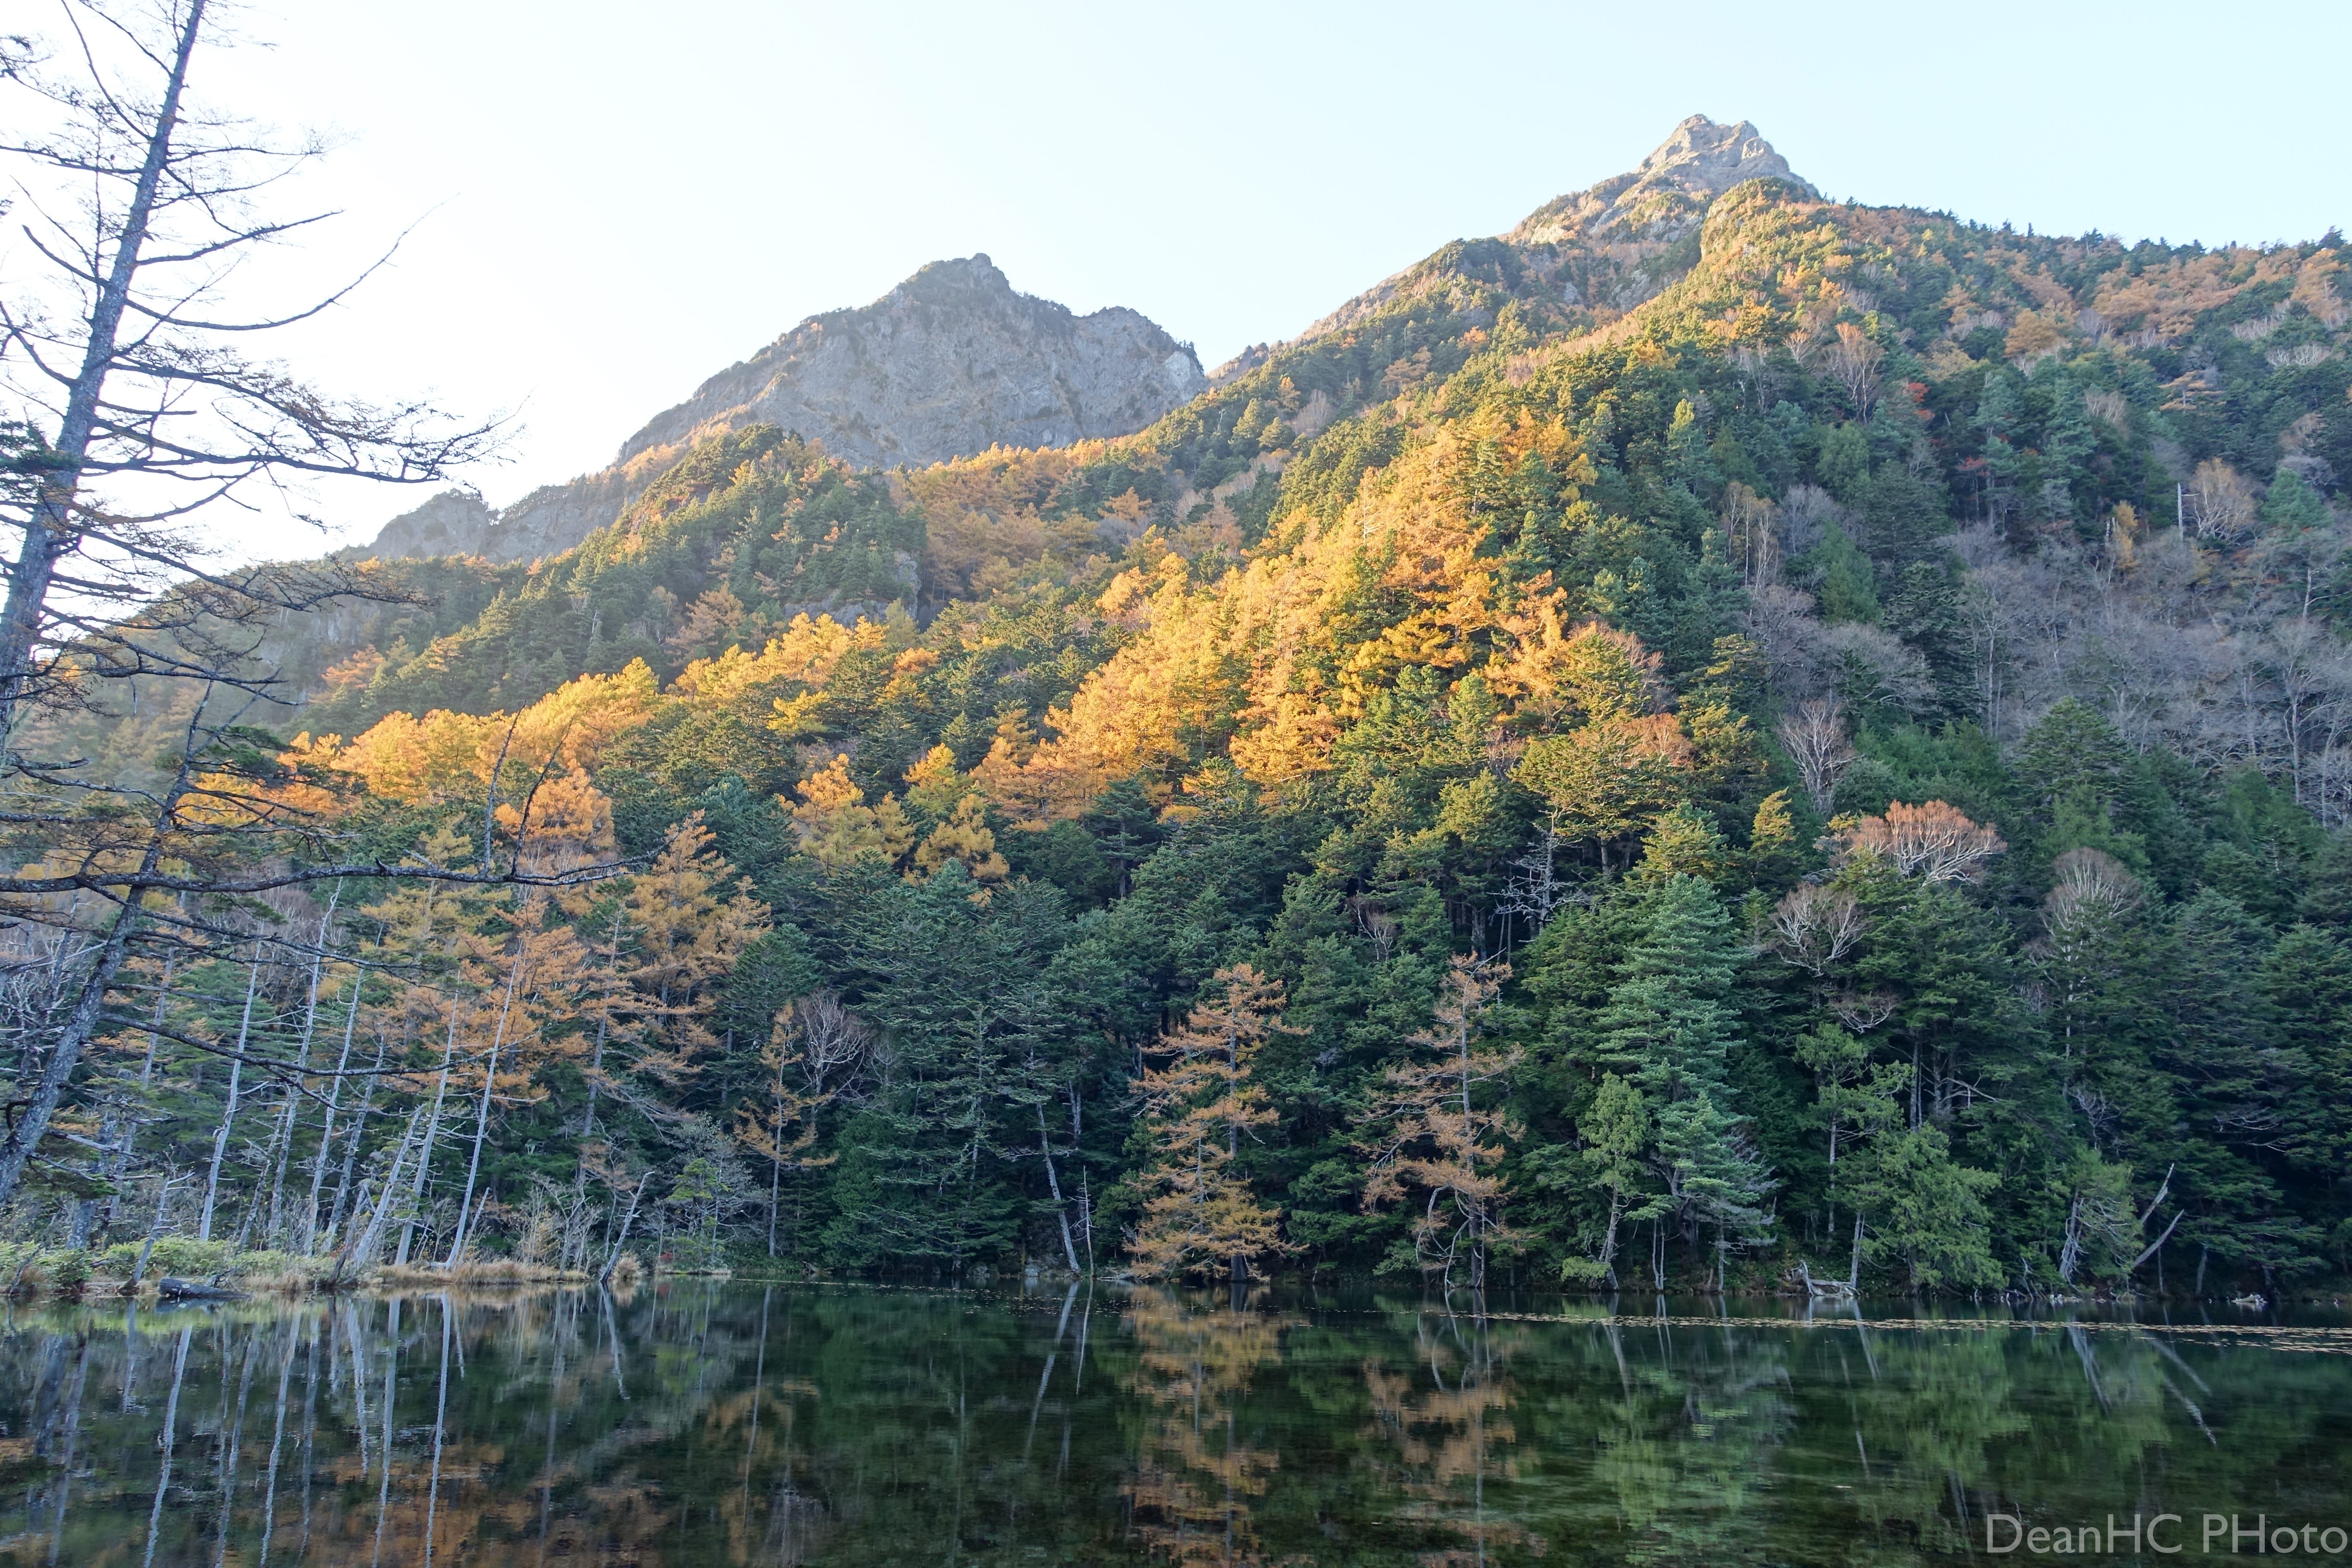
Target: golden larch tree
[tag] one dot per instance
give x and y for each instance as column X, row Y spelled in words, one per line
column 836, row 825
column 1199, row 1213
column 1432, row 1131
column 959, row 812
column 690, row 926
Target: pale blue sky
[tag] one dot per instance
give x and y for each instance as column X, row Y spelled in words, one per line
column 618, row 200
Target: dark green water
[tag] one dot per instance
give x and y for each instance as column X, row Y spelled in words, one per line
column 725, row 1423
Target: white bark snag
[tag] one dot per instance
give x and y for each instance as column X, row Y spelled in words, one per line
column 432, row 1134
column 363, row 1247
column 1061, row 1209
column 82, row 1022
column 50, row 530
column 285, row 1139
column 351, row 1145
column 228, row 1113
column 327, row 1132
column 482, row 1112
column 613, row 1259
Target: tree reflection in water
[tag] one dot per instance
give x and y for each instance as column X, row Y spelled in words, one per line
column 1196, row 1469
column 1445, row 1415
column 698, row 1424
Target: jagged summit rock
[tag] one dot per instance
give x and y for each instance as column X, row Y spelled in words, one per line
column 1606, row 247
column 1702, row 155
column 949, row 362
column 1697, row 162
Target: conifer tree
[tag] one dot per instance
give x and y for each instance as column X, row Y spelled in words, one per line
column 2231, row 1092
column 1925, row 1208
column 837, row 827
column 689, row 928
column 965, row 837
column 1616, row 1132
column 523, row 984
column 975, row 1037
column 814, row 1048
column 2307, row 991
column 1668, row 1030
column 1198, row 1214
column 1438, row 1130
column 1625, row 763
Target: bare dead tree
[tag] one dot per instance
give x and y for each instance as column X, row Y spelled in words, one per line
column 1853, row 361
column 1937, row 842
column 2088, row 884
column 2221, row 501
column 138, row 424
column 138, row 409
column 1814, row 734
column 1863, row 1011
column 1751, row 536
column 1535, row 891
column 1815, row 926
column 833, row 1040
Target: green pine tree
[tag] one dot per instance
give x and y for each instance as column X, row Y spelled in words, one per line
column 1667, row 1030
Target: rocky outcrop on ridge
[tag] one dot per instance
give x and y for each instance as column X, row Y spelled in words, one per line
column 949, row 362
column 1601, row 250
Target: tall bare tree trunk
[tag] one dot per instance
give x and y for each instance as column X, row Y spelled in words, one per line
column 776, row 1184
column 482, row 1113
column 228, row 1113
column 1061, row 1209
column 351, row 1143
column 50, row 530
column 613, row 1259
column 121, row 1161
column 81, row 1022
column 432, row 1134
column 604, row 1022
column 146, row 1250
column 285, row 1149
column 282, row 1139
column 362, row 1248
column 326, row 1130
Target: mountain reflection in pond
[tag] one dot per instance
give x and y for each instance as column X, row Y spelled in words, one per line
column 728, row 1424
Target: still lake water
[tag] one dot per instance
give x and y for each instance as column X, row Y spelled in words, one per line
column 704, row 1423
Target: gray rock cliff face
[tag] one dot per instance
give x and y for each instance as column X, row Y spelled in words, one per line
column 454, row 522
column 946, row 364
column 949, row 362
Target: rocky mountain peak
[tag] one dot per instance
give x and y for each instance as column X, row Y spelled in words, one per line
column 1701, row 155
column 1696, row 162
column 949, row 362
column 1610, row 246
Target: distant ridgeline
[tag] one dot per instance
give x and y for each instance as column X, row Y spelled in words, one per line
column 1794, row 711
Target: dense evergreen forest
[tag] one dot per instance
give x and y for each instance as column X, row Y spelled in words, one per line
column 1838, row 768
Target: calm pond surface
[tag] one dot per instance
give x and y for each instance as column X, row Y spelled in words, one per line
column 705, row 1423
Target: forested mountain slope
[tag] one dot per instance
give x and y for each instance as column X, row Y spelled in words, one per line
column 1718, row 729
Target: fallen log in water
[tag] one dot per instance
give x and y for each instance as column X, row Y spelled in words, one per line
column 172, row 1289
column 1823, row 1289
